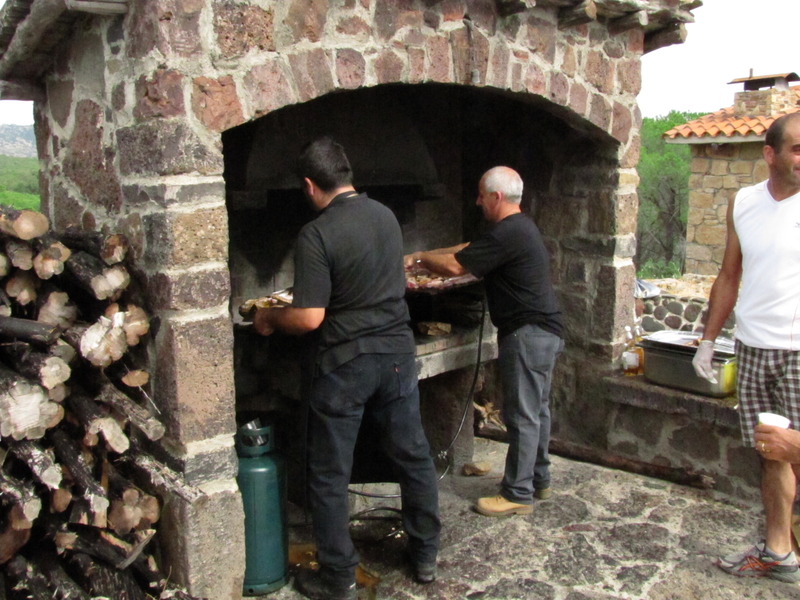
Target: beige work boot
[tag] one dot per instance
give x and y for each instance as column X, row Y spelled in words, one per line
column 497, row 506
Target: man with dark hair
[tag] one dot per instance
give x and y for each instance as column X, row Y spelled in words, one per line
column 763, row 252
column 512, row 259
column 350, row 286
column 776, row 131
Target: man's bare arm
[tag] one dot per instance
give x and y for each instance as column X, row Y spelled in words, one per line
column 450, row 250
column 441, row 261
column 725, row 290
column 289, row 319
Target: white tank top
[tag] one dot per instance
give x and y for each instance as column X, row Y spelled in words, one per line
column 768, row 309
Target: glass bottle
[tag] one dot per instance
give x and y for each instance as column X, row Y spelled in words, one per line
column 638, row 334
column 632, row 356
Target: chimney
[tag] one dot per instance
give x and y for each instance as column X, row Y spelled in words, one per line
column 777, row 98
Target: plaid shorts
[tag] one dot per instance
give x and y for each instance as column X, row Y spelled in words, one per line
column 767, row 381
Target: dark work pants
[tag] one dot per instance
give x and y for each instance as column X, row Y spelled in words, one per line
column 387, row 385
column 526, row 358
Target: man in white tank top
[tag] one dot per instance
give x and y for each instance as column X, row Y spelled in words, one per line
column 763, row 253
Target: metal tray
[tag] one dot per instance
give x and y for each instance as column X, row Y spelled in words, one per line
column 438, row 283
column 668, row 362
column 686, row 343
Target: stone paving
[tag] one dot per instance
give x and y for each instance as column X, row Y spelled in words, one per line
column 604, row 535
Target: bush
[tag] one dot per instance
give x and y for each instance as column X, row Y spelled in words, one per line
column 19, row 174
column 19, row 182
column 20, row 201
column 659, row 269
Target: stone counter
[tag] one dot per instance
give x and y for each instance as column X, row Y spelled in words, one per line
column 437, row 355
column 673, row 428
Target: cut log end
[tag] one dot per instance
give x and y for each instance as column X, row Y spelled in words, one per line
column 136, row 378
column 27, row 225
column 23, row 224
column 105, row 341
column 25, row 410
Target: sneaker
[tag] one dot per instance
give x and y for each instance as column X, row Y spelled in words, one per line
column 312, row 585
column 497, row 506
column 425, row 572
column 758, row 561
column 542, row 493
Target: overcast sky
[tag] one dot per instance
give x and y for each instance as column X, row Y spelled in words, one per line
column 729, row 38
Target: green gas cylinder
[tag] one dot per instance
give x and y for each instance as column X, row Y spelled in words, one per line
column 262, row 482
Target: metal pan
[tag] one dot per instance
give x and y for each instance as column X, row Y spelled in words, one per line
column 685, row 342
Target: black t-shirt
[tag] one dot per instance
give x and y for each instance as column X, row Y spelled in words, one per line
column 512, row 259
column 349, row 260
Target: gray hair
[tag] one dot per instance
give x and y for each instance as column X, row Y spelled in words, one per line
column 506, row 181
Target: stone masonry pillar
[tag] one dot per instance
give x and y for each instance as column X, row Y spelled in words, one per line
column 186, row 258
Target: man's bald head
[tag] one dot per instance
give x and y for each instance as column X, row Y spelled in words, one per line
column 504, row 180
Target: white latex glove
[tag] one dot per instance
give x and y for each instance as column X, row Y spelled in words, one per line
column 702, row 361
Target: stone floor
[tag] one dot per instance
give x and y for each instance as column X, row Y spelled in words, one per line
column 604, row 535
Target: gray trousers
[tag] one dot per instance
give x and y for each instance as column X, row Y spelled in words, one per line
column 526, row 360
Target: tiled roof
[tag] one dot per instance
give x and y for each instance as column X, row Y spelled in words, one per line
column 725, row 123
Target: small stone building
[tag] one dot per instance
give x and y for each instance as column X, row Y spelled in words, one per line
column 176, row 122
column 726, row 156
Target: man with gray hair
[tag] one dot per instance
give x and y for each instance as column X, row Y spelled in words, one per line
column 514, row 263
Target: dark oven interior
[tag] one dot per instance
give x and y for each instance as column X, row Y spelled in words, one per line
column 421, row 150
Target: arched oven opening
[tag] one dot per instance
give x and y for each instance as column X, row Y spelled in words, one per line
column 421, row 150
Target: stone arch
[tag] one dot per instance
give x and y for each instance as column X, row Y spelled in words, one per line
column 463, row 56
column 417, row 147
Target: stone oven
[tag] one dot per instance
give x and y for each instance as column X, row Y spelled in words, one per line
column 175, row 122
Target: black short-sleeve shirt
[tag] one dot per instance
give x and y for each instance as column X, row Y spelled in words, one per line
column 515, row 265
column 349, row 260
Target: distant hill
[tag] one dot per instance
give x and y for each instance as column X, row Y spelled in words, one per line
column 17, row 140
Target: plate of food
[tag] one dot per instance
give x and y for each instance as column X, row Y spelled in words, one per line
column 280, row 298
column 419, row 279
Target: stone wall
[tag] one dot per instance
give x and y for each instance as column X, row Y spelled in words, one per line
column 132, row 139
column 676, row 429
column 651, row 424
column 718, row 172
column 681, row 313
column 129, row 139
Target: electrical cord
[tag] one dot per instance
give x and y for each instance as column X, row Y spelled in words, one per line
column 360, row 516
column 468, row 402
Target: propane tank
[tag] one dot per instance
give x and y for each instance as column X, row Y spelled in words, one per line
column 262, row 482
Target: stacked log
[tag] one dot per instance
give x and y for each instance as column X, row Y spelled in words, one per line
column 79, row 498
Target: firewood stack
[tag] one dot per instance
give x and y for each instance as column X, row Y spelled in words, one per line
column 75, row 519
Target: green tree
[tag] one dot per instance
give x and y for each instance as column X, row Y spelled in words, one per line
column 663, row 197
column 19, row 182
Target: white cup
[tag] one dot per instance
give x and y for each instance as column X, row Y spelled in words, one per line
column 773, row 419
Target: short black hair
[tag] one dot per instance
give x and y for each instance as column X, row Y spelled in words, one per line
column 325, row 163
column 774, row 137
